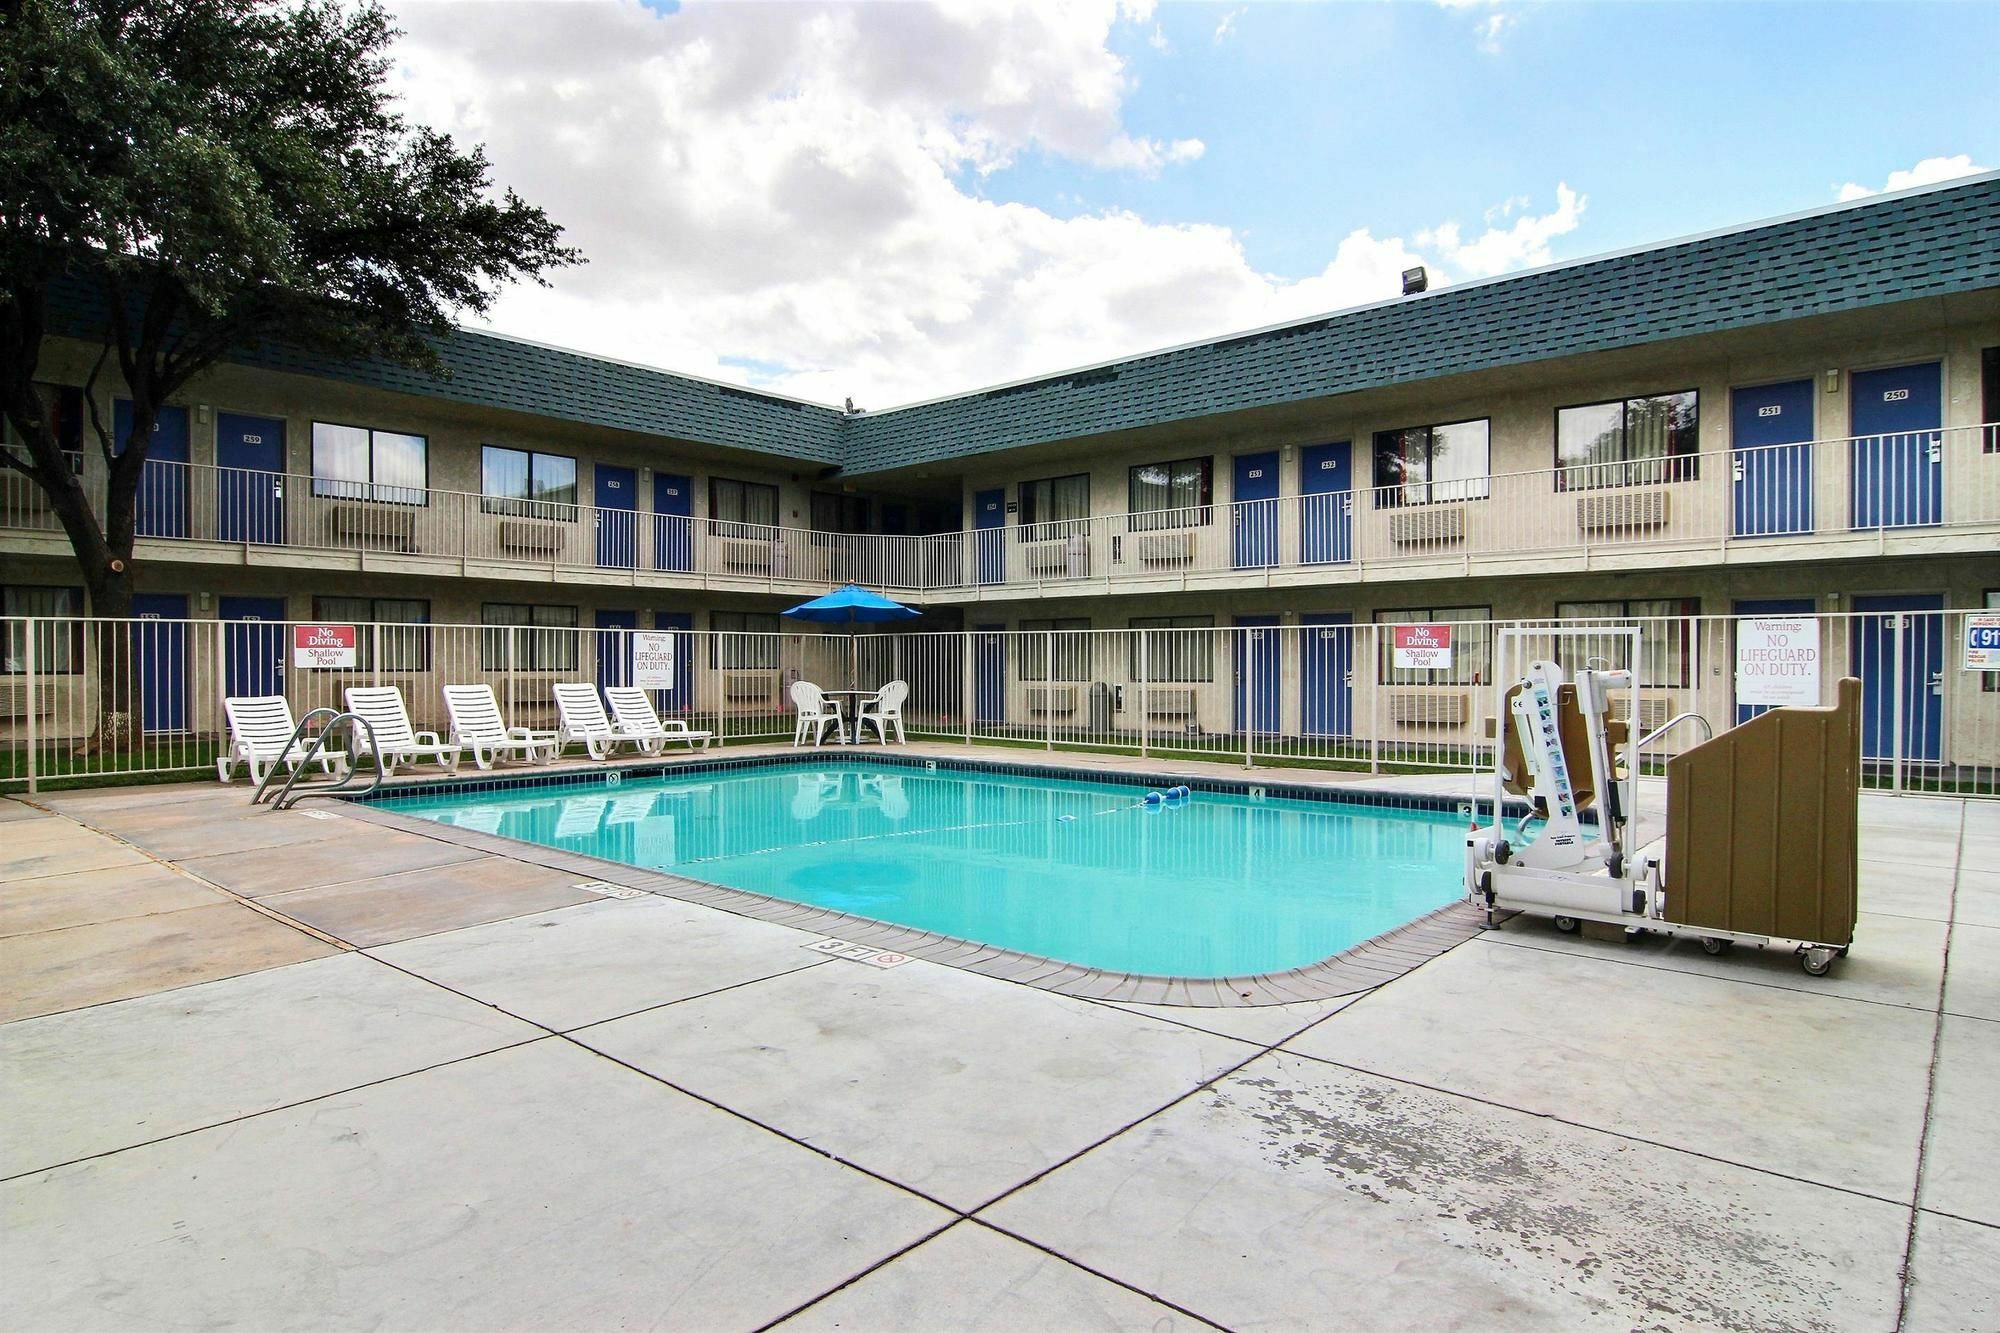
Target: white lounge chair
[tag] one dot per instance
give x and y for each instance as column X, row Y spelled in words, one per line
column 477, row 725
column 260, row 737
column 582, row 719
column 633, row 712
column 816, row 714
column 884, row 709
column 396, row 743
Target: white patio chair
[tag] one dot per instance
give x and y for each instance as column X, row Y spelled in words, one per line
column 816, row 714
column 260, row 736
column 884, row 709
column 477, row 725
column 582, row 719
column 634, row 714
column 396, row 743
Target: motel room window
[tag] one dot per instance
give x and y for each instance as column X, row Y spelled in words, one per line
column 1421, row 465
column 62, row 408
column 404, row 629
column 527, row 638
column 58, row 645
column 1171, row 495
column 1054, row 507
column 1631, row 442
column 355, row 463
column 1989, row 397
column 1667, row 630
column 1059, row 639
column 527, row 484
column 1471, row 645
column 1175, row 650
column 832, row 512
column 742, row 508
column 744, row 640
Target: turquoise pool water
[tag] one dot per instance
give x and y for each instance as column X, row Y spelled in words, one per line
column 1218, row 886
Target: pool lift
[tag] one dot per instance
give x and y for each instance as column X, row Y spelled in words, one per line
column 1594, row 858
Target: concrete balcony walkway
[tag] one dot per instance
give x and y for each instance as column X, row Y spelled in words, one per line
column 297, row 1069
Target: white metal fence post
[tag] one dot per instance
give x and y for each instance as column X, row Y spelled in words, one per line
column 1145, row 730
column 1048, row 680
column 1249, row 689
column 28, row 661
column 966, row 669
column 1896, row 701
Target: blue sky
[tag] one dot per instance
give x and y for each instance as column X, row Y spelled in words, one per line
column 893, row 201
column 1672, row 118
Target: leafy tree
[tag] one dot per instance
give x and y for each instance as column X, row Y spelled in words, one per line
column 213, row 174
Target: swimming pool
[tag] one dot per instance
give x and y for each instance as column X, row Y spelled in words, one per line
column 1219, row 885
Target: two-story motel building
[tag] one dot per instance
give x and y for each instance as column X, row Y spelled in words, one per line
column 1792, row 416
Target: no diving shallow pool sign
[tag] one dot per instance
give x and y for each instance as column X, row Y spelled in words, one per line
column 1423, row 647
column 1982, row 642
column 323, row 647
column 859, row 953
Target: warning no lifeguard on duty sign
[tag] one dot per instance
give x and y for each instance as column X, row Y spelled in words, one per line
column 1777, row 661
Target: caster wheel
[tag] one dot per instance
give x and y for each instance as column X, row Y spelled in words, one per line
column 1712, row 947
column 1817, row 962
column 1568, row 925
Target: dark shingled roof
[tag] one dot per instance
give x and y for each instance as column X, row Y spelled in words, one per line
column 1919, row 243
column 495, row 371
column 1892, row 249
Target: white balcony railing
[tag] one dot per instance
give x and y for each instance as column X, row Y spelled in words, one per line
column 1746, row 501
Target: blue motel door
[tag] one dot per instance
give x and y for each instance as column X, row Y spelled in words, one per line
column 1898, row 450
column 250, row 480
column 617, row 518
column 160, row 660
column 163, row 482
column 673, row 522
column 1326, row 674
column 680, row 699
column 1254, row 515
column 1326, row 505
column 1257, row 672
column 1771, row 466
column 614, row 647
column 989, row 536
column 989, row 673
column 1874, row 659
column 253, row 645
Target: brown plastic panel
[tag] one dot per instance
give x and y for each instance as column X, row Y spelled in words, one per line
column 1762, row 824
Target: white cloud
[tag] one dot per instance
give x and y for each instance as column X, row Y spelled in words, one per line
column 1500, row 249
column 1927, row 172
column 790, row 195
column 1227, row 27
column 1489, row 30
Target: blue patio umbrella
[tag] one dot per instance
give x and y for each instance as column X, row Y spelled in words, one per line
column 852, row 605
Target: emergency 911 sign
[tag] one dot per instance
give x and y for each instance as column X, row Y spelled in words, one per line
column 1423, row 647
column 323, row 647
column 1982, row 642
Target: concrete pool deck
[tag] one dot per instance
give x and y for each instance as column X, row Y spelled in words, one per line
column 303, row 1070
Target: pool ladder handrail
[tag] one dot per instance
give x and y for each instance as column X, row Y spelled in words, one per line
column 284, row 799
column 1707, row 731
